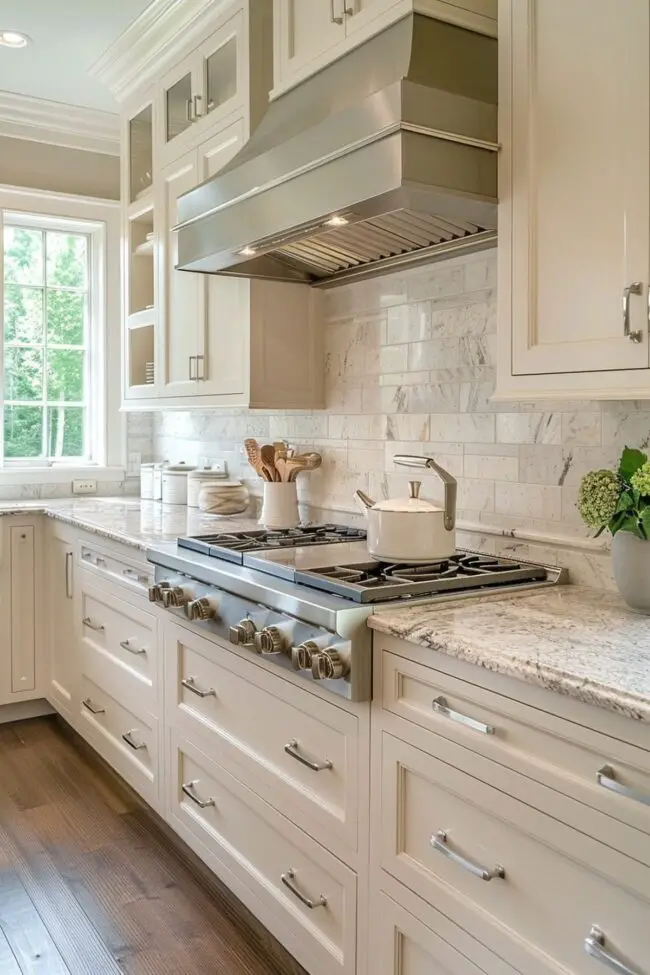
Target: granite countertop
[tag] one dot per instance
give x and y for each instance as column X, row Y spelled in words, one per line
column 584, row 643
column 130, row 520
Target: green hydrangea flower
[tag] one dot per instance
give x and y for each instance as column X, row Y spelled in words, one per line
column 640, row 480
column 598, row 496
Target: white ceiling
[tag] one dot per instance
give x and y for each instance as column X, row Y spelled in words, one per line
column 68, row 37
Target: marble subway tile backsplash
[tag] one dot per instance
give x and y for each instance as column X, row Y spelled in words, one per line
column 410, row 368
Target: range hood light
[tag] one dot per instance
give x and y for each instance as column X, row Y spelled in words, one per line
column 336, row 221
column 247, row 251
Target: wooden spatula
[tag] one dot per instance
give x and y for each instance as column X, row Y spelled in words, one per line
column 254, row 457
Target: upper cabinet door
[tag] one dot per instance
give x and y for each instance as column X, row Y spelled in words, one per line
column 178, row 90
column 304, row 30
column 181, row 297
column 224, row 319
column 221, row 70
column 359, row 14
column 574, row 224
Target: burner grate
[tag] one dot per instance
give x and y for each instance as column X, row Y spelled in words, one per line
column 232, row 546
column 372, row 581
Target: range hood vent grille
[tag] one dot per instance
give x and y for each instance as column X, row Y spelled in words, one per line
column 369, row 241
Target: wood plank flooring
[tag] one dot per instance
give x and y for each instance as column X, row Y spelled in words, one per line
column 91, row 885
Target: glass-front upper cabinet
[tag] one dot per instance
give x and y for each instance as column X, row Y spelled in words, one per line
column 205, row 85
column 140, row 152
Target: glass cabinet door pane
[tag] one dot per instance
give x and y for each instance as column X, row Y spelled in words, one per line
column 140, row 152
column 221, row 74
column 178, row 107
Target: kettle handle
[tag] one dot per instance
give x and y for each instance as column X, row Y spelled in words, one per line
column 450, row 482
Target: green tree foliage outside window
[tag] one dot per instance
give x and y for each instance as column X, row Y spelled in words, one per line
column 45, row 336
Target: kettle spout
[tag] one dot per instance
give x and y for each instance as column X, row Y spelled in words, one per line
column 364, row 501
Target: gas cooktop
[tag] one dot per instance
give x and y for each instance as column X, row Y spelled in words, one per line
column 232, row 546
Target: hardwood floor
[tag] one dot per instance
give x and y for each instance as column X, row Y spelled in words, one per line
column 91, row 885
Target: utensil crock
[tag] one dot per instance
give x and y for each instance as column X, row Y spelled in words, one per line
column 280, row 505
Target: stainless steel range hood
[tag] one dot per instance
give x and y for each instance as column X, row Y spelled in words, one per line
column 394, row 145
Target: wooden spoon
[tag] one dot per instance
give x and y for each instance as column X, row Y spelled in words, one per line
column 267, row 454
column 255, row 459
column 305, row 462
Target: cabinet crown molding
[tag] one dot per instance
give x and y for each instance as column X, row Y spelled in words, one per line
column 162, row 30
column 41, row 120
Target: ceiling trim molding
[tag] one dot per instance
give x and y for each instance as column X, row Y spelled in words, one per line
column 162, row 30
column 40, row 120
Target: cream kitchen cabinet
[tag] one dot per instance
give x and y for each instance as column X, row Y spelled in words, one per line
column 574, row 221
column 204, row 88
column 309, row 34
column 229, row 341
column 23, row 660
column 63, row 672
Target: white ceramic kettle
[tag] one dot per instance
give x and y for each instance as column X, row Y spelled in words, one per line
column 412, row 530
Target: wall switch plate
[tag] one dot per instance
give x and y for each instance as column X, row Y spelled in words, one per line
column 219, row 465
column 84, row 487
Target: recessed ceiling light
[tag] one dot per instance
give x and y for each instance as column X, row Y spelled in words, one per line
column 247, row 251
column 13, row 38
column 336, row 221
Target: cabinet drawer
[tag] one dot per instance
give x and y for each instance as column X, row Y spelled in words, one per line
column 404, row 945
column 600, row 771
column 301, row 751
column 118, row 644
column 310, row 894
column 107, row 565
column 446, row 834
column 128, row 742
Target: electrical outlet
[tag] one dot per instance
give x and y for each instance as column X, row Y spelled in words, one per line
column 134, row 461
column 84, row 487
column 219, row 465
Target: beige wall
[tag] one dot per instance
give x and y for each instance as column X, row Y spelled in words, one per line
column 56, row 168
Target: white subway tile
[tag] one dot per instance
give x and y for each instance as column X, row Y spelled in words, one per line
column 477, row 427
column 490, row 467
column 528, row 500
column 582, row 428
column 407, row 426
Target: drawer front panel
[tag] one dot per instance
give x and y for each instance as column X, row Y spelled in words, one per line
column 308, row 759
column 403, row 945
column 118, row 637
column 128, row 742
column 565, row 756
column 104, row 564
column 304, row 885
column 444, row 831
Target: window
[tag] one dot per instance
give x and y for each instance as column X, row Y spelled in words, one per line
column 46, row 343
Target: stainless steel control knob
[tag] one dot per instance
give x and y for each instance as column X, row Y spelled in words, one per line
column 302, row 655
column 174, row 596
column 156, row 591
column 328, row 665
column 244, row 633
column 201, row 609
column 271, row 640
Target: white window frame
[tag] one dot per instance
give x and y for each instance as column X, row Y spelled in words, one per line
column 107, row 428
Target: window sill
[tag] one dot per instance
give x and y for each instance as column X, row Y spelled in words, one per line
column 59, row 475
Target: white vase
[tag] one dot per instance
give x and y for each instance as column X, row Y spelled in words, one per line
column 631, row 565
column 280, row 505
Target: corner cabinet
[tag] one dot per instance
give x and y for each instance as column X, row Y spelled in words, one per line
column 574, row 216
column 193, row 339
column 309, row 34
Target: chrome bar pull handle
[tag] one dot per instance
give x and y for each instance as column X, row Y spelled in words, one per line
column 439, row 842
column 197, row 113
column 188, row 110
column 200, row 374
column 333, row 18
column 631, row 289
column 132, row 742
column 596, row 947
column 126, row 645
column 440, row 706
column 288, row 879
column 191, row 685
column 93, row 708
column 606, row 777
column 90, row 623
column 189, row 788
column 292, row 748
column 192, row 359
column 68, row 574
